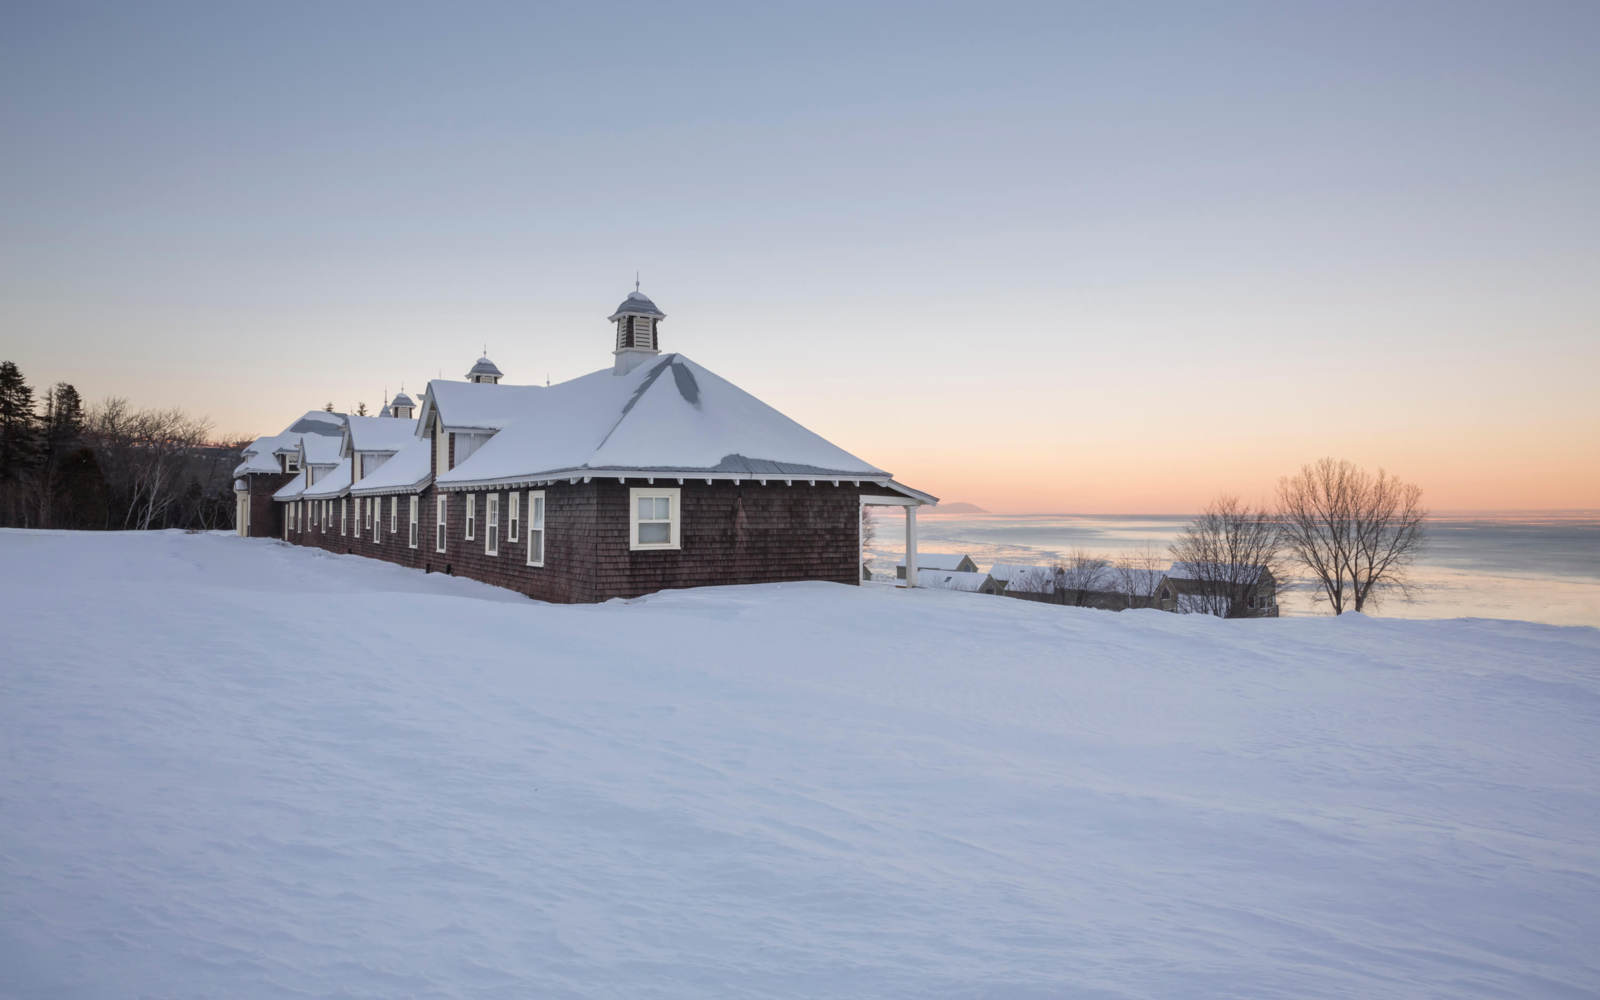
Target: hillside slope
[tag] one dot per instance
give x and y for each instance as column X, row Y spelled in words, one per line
column 235, row 768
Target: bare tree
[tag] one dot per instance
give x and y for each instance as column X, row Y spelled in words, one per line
column 143, row 455
column 1137, row 575
column 1356, row 533
column 1080, row 576
column 1227, row 559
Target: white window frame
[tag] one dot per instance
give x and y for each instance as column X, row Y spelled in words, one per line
column 513, row 509
column 674, row 519
column 355, row 525
column 394, row 514
column 441, row 514
column 343, row 515
column 377, row 518
column 536, row 527
column 491, row 524
column 413, row 522
column 368, row 506
column 471, row 526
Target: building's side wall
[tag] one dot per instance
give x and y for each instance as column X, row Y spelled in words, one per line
column 265, row 515
column 728, row 534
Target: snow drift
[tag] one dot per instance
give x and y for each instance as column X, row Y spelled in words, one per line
column 236, row 768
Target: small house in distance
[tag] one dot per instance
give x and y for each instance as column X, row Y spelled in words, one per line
column 970, row 583
column 1227, row 591
column 950, row 562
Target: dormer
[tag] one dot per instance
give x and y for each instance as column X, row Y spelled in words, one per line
column 636, row 319
column 485, row 372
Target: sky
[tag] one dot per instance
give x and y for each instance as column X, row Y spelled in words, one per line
column 1060, row 257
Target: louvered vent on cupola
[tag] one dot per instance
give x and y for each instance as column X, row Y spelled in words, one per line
column 637, row 331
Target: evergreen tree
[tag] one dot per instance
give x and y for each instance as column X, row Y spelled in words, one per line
column 361, row 409
column 60, row 433
column 19, row 450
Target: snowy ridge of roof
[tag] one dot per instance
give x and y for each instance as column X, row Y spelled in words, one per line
column 258, row 456
column 668, row 416
column 330, row 484
column 381, row 433
column 293, row 488
column 944, row 580
column 407, row 472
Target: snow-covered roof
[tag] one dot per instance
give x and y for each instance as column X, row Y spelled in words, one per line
column 319, row 450
column 259, row 454
column 483, row 366
column 668, row 417
column 936, row 560
column 330, row 484
column 1215, row 572
column 637, row 304
column 477, row 405
column 407, row 472
column 1033, row 580
column 1004, row 572
column 401, row 399
column 380, row 434
column 943, row 580
column 1143, row 580
column 293, row 488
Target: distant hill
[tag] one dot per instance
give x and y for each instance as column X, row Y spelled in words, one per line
column 960, row 508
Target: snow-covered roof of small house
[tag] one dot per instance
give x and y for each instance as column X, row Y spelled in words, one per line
column 401, row 399
column 638, row 304
column 330, row 484
column 1004, row 572
column 407, row 472
column 943, row 580
column 670, row 416
column 1214, row 572
column 293, row 488
column 484, row 366
column 1032, row 580
column 258, row 457
column 936, row 560
column 380, row 434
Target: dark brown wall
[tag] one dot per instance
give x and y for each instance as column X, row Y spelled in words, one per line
column 730, row 534
column 265, row 515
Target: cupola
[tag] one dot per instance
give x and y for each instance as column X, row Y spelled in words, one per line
column 636, row 321
column 486, row 372
column 401, row 406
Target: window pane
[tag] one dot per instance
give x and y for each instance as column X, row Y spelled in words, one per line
column 538, row 512
column 663, row 508
column 645, row 509
column 654, row 532
column 536, row 545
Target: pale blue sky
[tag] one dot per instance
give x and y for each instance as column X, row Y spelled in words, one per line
column 1007, row 251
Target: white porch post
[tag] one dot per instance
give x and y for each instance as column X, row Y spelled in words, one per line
column 911, row 545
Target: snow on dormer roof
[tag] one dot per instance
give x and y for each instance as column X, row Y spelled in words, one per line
column 380, row 434
column 407, row 472
column 330, row 484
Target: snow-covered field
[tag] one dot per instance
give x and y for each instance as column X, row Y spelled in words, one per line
column 233, row 768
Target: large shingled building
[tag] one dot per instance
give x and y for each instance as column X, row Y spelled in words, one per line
column 649, row 474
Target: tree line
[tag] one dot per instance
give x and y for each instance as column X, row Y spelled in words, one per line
column 108, row 465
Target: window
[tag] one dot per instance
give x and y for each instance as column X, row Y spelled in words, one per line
column 291, row 463
column 376, row 517
column 342, row 516
column 513, row 501
column 413, row 541
column 491, row 524
column 369, row 505
column 438, row 522
column 394, row 514
column 654, row 517
column 472, row 516
column 536, row 528
column 356, row 524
